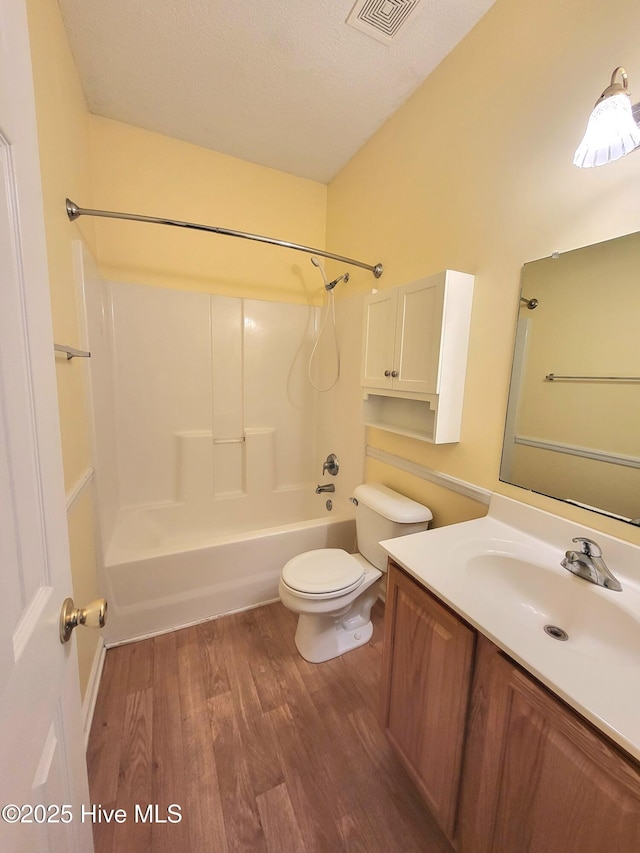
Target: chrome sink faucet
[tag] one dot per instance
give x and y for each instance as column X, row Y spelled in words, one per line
column 588, row 564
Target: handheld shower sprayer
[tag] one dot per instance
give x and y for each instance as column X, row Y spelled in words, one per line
column 317, row 263
column 328, row 285
column 329, row 312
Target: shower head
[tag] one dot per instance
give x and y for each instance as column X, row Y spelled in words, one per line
column 317, row 263
column 330, row 285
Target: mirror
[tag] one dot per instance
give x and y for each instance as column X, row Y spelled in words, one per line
column 573, row 420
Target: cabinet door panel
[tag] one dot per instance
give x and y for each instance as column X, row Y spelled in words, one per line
column 428, row 657
column 538, row 778
column 551, row 778
column 418, row 335
column 378, row 339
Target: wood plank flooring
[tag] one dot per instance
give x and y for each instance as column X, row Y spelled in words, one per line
column 261, row 750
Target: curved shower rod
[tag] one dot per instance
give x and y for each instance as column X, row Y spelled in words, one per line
column 74, row 211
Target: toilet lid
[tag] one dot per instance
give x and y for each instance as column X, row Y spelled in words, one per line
column 323, row 570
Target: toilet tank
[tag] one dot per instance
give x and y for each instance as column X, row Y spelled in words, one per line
column 381, row 514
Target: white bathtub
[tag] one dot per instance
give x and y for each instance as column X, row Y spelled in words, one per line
column 165, row 569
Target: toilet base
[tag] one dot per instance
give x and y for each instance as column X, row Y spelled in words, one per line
column 321, row 637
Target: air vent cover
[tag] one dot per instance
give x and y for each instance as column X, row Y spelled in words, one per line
column 381, row 19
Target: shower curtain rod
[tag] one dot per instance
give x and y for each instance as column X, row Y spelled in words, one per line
column 74, row 211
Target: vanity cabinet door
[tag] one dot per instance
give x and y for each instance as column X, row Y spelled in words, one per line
column 537, row 778
column 427, row 661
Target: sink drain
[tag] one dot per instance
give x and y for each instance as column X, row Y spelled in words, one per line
column 556, row 633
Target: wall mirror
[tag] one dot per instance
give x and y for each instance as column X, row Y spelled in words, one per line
column 573, row 419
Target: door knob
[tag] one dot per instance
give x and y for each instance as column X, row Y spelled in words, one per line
column 94, row 615
column 387, row 373
column 394, row 373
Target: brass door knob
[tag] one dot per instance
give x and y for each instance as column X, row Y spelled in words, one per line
column 94, row 615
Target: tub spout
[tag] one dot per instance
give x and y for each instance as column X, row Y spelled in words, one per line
column 322, row 489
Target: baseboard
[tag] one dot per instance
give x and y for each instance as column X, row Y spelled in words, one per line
column 139, row 638
column 91, row 695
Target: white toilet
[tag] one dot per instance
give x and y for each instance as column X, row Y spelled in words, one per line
column 334, row 591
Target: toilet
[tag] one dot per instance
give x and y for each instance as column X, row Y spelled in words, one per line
column 333, row 591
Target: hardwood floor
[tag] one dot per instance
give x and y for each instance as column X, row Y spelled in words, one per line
column 261, row 750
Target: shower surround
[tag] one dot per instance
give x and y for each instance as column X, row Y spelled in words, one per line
column 206, row 450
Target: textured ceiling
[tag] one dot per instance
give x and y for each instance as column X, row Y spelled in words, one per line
column 283, row 84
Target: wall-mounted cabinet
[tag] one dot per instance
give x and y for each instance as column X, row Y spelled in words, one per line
column 414, row 356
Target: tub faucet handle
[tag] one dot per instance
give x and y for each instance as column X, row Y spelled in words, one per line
column 331, row 465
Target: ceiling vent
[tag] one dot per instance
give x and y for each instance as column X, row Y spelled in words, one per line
column 381, row 19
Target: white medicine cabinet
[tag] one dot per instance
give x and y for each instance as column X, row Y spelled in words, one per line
column 414, row 356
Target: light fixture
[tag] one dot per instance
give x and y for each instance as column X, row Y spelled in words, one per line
column 611, row 131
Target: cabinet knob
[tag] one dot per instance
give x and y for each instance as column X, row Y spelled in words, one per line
column 387, row 373
column 394, row 373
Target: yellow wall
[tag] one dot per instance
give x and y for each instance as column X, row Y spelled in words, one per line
column 64, row 154
column 65, row 166
column 474, row 173
column 137, row 171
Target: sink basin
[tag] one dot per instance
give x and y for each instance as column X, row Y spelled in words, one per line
column 596, row 622
column 502, row 574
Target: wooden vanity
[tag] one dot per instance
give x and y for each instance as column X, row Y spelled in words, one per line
column 503, row 764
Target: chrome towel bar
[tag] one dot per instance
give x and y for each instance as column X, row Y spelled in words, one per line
column 552, row 376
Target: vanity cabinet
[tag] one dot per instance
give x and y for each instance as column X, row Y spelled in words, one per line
column 501, row 762
column 414, row 356
column 428, row 654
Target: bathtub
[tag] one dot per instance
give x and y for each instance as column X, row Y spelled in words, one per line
column 165, row 569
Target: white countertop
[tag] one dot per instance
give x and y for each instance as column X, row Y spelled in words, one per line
column 597, row 671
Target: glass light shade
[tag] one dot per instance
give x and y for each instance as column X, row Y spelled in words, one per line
column 611, row 132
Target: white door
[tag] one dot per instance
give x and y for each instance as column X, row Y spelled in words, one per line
column 43, row 777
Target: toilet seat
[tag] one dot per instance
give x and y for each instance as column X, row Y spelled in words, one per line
column 323, row 573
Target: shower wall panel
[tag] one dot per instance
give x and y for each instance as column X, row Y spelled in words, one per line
column 95, row 318
column 211, row 398
column 229, row 476
column 162, row 360
column 340, row 417
column 277, row 393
